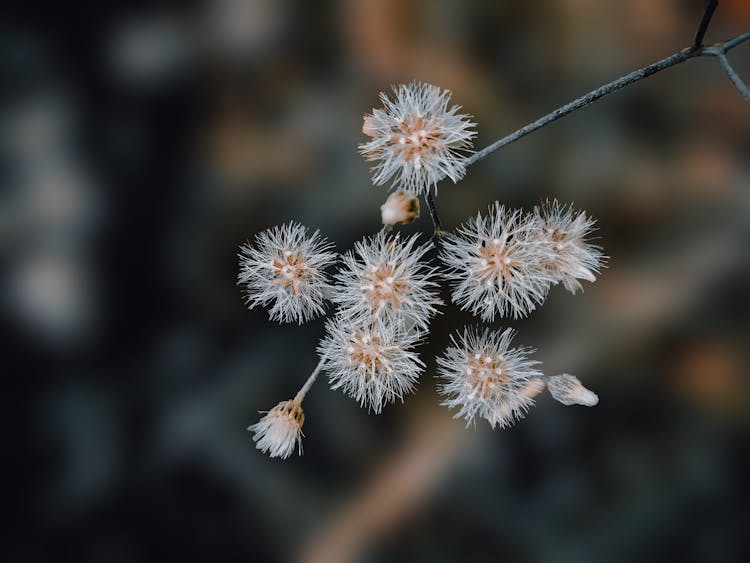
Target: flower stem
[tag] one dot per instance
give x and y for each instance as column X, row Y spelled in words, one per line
column 299, row 397
column 439, row 232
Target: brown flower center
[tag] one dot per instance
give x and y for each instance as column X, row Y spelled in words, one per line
column 494, row 262
column 418, row 138
column 291, row 272
column 382, row 288
column 485, row 373
column 366, row 351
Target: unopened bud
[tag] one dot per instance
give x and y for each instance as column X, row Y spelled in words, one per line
column 569, row 391
column 400, row 208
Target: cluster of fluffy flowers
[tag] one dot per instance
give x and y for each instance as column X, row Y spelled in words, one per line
column 385, row 290
column 504, row 263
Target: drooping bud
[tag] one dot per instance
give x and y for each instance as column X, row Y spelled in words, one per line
column 568, row 390
column 280, row 430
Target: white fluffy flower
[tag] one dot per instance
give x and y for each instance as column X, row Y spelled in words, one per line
column 280, row 430
column 416, row 139
column 372, row 363
column 570, row 258
column 568, row 390
column 496, row 265
column 484, row 377
column 285, row 268
column 384, row 278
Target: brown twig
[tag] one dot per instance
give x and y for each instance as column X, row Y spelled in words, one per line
column 703, row 26
column 435, row 216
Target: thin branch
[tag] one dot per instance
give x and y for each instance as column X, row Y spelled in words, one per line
column 583, row 101
column 615, row 85
column 734, row 77
column 732, row 43
column 439, row 232
column 703, row 27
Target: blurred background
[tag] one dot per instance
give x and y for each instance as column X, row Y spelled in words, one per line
column 142, row 143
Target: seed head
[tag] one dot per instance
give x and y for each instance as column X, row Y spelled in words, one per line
column 495, row 265
column 484, row 377
column 372, row 363
column 280, row 430
column 415, row 139
column 563, row 232
column 285, row 268
column 385, row 279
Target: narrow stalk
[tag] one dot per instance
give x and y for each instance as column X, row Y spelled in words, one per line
column 734, row 77
column 705, row 20
column 299, row 397
column 732, row 43
column 439, row 232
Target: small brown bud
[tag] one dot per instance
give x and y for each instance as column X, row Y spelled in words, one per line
column 400, row 208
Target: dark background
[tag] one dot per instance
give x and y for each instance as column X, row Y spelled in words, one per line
column 142, row 143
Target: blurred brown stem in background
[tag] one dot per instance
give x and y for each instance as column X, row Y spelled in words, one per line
column 404, row 482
